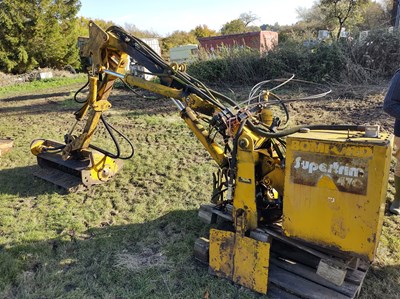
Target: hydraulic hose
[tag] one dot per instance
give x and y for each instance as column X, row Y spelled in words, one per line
column 233, row 163
column 78, row 91
column 296, row 129
column 110, row 130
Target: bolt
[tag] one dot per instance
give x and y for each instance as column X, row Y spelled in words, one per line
column 243, row 143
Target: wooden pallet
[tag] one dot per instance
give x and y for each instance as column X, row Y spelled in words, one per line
column 5, row 145
column 295, row 268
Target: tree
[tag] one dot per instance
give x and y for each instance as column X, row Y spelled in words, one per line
column 373, row 16
column 312, row 17
column 132, row 29
column 248, row 17
column 232, row 27
column 83, row 25
column 342, row 11
column 203, row 31
column 237, row 26
column 275, row 27
column 38, row 33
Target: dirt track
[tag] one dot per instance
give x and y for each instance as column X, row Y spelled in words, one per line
column 345, row 105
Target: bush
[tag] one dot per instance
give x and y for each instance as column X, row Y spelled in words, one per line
column 233, row 65
column 342, row 61
column 378, row 54
column 322, row 62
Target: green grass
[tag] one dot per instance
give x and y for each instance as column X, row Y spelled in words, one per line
column 40, row 85
column 131, row 238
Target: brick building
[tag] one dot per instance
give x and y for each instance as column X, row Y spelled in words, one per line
column 262, row 41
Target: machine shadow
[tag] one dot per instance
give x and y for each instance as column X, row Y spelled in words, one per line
column 146, row 260
column 21, row 181
column 152, row 259
column 35, row 96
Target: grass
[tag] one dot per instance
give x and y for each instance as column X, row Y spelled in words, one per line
column 40, row 85
column 131, row 238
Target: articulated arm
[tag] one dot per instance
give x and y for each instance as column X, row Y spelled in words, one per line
column 108, row 52
column 249, row 162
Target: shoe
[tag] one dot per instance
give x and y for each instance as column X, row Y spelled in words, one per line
column 395, row 207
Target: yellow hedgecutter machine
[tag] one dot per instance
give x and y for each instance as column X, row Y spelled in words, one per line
column 295, row 213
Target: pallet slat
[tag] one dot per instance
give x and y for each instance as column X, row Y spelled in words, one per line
column 276, row 293
column 346, row 288
column 293, row 267
column 300, row 286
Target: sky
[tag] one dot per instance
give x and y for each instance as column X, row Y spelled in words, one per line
column 166, row 16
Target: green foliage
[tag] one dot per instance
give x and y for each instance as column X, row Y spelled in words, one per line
column 234, row 26
column 229, row 65
column 354, row 16
column 39, row 33
column 373, row 16
column 203, row 31
column 378, row 54
column 323, row 62
column 83, row 25
column 373, row 59
column 342, row 13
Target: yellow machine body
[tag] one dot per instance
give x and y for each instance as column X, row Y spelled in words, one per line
column 335, row 189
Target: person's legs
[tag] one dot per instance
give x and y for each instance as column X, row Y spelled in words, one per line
column 395, row 206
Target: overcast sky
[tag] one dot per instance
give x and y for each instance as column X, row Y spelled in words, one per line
column 165, row 16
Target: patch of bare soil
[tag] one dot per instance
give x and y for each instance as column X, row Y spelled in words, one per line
column 147, row 258
column 355, row 105
column 141, row 102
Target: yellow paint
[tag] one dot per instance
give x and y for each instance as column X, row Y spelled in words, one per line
column 102, row 169
column 154, row 87
column 326, row 183
column 245, row 193
column 37, row 146
column 267, row 116
column 240, row 259
column 347, row 213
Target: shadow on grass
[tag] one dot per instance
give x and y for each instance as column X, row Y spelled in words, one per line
column 146, row 260
column 63, row 106
column 34, row 96
column 21, row 181
column 382, row 282
column 153, row 259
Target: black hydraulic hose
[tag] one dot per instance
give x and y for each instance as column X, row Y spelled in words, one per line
column 110, row 130
column 54, row 150
column 224, row 97
column 127, row 140
column 234, row 152
column 282, row 104
column 296, row 129
column 157, row 62
column 78, row 91
column 277, row 149
column 107, row 153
